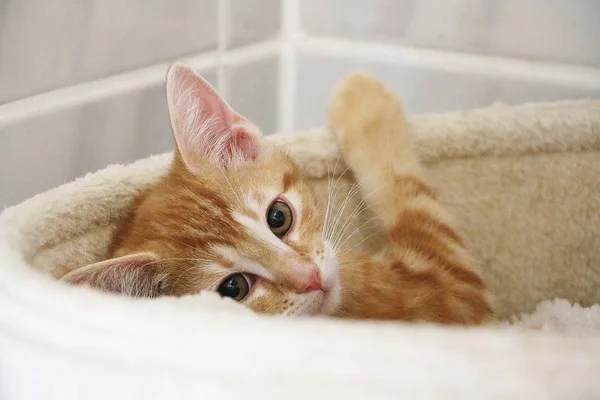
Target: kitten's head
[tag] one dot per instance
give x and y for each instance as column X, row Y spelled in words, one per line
column 230, row 216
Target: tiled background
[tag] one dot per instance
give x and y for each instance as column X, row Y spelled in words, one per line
column 81, row 82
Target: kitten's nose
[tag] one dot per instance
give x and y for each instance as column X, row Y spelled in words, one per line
column 313, row 282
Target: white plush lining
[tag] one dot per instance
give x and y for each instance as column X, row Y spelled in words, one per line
column 503, row 171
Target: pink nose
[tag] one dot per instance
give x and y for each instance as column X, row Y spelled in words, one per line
column 313, row 282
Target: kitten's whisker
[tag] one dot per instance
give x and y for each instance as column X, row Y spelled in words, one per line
column 342, row 233
column 349, row 220
column 329, row 203
column 333, row 217
column 340, row 245
column 359, row 243
column 183, row 243
column 336, row 189
column 149, row 263
column 360, row 207
column 186, row 259
column 174, row 259
column 354, row 189
column 337, row 245
column 339, row 230
column 363, row 203
column 325, row 218
column 332, row 195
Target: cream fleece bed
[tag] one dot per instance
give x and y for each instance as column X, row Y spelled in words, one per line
column 524, row 184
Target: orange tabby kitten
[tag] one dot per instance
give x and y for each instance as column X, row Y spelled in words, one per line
column 236, row 218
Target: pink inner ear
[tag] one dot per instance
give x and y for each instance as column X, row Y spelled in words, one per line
column 194, row 86
column 205, row 127
column 246, row 143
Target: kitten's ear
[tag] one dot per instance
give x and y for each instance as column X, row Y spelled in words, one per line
column 205, row 126
column 137, row 275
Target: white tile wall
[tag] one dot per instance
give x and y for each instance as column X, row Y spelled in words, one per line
column 62, row 144
column 254, row 20
column 47, row 44
column 253, row 92
column 437, row 55
column 422, row 88
column 551, row 30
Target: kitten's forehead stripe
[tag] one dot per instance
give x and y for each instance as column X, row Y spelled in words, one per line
column 192, row 215
column 190, row 185
column 260, row 232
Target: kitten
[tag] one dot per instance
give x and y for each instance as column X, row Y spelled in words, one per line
column 235, row 217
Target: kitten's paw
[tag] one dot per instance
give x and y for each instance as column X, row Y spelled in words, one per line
column 362, row 112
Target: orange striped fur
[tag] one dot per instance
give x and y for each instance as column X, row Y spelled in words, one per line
column 206, row 221
column 424, row 272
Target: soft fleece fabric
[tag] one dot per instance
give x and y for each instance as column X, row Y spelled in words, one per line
column 524, row 185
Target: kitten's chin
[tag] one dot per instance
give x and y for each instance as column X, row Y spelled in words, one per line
column 331, row 300
column 326, row 303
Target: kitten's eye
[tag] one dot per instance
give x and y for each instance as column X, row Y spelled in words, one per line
column 279, row 218
column 235, row 286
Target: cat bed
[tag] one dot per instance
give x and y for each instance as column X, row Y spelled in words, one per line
column 523, row 183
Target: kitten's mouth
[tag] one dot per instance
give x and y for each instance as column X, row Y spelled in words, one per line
column 319, row 302
column 317, row 305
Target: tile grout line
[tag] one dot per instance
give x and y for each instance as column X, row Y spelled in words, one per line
column 503, row 67
column 102, row 88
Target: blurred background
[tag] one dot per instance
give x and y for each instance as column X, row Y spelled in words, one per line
column 81, row 81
